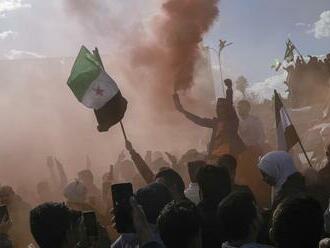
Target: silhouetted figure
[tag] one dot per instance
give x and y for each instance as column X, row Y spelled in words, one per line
column 225, row 138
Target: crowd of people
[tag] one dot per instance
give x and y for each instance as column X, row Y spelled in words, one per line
column 306, row 78
column 218, row 198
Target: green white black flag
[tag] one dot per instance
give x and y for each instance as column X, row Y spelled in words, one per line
column 94, row 88
column 289, row 55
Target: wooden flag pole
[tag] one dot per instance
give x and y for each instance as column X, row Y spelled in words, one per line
column 299, row 141
column 305, row 153
column 123, row 130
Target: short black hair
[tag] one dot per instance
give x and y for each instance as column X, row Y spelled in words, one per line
column 235, row 215
column 171, row 177
column 228, row 161
column 214, row 182
column 49, row 223
column 179, row 223
column 297, row 223
column 193, row 168
column 153, row 198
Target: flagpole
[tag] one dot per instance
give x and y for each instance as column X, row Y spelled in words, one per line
column 305, row 153
column 299, row 141
column 123, row 130
column 295, row 48
column 221, row 76
column 222, row 45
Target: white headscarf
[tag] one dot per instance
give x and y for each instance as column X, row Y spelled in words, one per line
column 279, row 165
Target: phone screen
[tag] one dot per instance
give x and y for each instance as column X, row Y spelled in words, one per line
column 4, row 215
column 122, row 209
column 90, row 223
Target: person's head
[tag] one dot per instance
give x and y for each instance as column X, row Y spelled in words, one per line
column 173, row 181
column 193, row 168
column 238, row 218
column 276, row 167
column 244, row 108
column 86, row 177
column 51, row 224
column 179, row 225
column 153, row 199
column 43, row 190
column 75, row 192
column 230, row 163
column 214, row 183
column 297, row 223
column 7, row 195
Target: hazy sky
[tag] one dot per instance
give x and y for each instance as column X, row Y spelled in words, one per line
column 258, row 29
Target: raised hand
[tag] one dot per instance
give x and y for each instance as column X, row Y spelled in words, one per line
column 228, row 83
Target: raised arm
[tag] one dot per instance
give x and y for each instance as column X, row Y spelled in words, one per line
column 140, row 164
column 50, row 165
column 62, row 174
column 232, row 115
column 204, row 122
column 229, row 91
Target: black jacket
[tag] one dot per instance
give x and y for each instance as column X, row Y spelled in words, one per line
column 293, row 186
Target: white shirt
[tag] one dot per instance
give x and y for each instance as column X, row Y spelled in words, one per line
column 192, row 193
column 251, row 131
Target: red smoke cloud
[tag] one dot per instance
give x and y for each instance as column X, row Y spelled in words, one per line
column 172, row 55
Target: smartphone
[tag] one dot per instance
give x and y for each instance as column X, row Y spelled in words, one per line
column 4, row 215
column 122, row 209
column 90, row 223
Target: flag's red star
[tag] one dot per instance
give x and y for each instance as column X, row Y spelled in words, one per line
column 98, row 91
